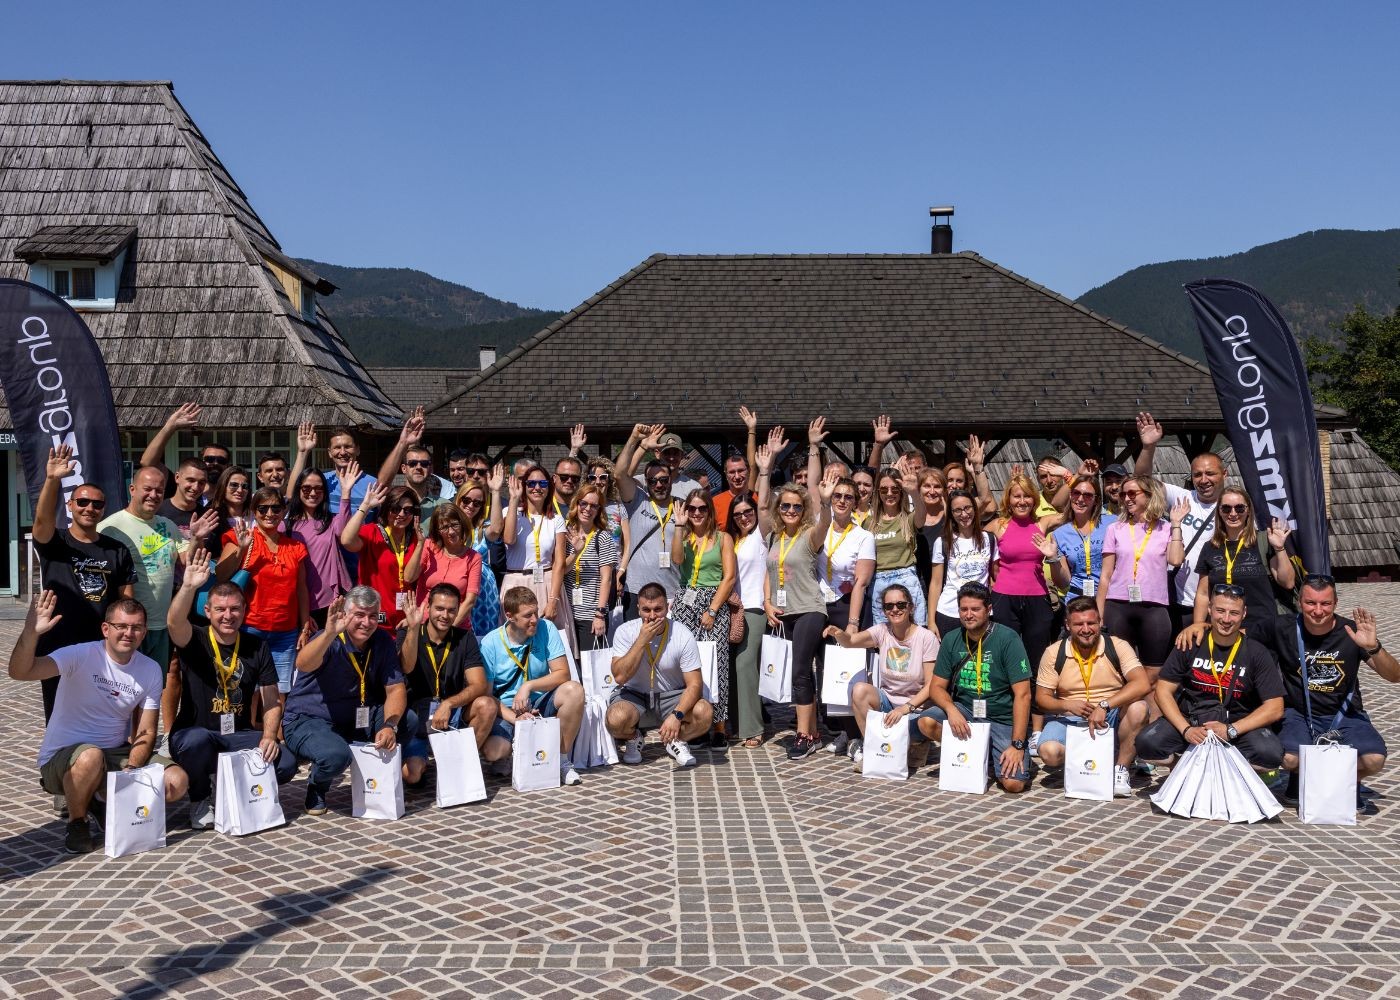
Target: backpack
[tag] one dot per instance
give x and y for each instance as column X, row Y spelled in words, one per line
column 1110, row 652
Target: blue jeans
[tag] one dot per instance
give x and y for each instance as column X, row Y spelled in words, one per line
column 197, row 750
column 1001, row 740
column 328, row 746
column 283, row 647
column 419, row 745
column 1056, row 727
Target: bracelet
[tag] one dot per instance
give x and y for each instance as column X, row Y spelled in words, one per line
column 711, row 612
column 1186, row 730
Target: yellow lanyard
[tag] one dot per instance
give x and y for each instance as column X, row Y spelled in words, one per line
column 399, row 552
column 663, row 521
column 524, row 666
column 700, row 551
column 1230, row 560
column 1086, row 667
column 783, row 550
column 437, row 667
column 1141, row 547
column 654, row 658
column 225, row 674
column 1088, row 540
column 831, row 549
column 860, row 517
column 1224, row 671
column 977, row 664
column 578, row 560
column 356, row 664
column 537, row 528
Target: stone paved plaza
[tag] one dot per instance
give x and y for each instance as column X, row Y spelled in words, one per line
column 746, row 876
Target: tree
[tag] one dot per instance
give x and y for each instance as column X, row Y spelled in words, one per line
column 1361, row 373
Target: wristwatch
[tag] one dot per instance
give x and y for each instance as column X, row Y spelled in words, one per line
column 1104, row 705
column 1018, row 745
column 680, row 716
column 1368, row 653
column 1232, row 732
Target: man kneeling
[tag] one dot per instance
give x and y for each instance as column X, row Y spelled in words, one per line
column 1105, row 692
column 529, row 675
column 656, row 664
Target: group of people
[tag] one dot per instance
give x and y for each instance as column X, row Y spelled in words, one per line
column 297, row 611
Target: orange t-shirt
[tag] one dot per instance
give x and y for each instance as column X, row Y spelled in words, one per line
column 272, row 592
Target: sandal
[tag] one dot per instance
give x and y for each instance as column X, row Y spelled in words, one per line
column 752, row 743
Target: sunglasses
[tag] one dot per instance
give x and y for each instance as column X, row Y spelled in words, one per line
column 587, row 505
column 406, row 509
column 1320, row 578
column 743, row 512
column 659, row 480
column 89, row 502
column 214, row 459
column 843, row 497
column 695, row 509
column 889, row 491
column 469, row 502
column 790, row 508
column 478, row 472
column 419, row 463
column 1084, row 495
column 598, row 477
column 237, row 487
column 312, row 489
column 1228, row 589
column 537, row 484
column 1234, row 508
column 268, row 508
column 1129, row 494
column 566, row 477
column 896, row 606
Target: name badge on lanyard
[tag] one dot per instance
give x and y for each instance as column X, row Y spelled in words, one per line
column 1091, row 587
column 781, row 599
column 538, row 575
column 979, row 708
column 1134, row 593
column 433, row 707
column 663, row 559
column 577, row 596
column 226, row 724
column 362, row 717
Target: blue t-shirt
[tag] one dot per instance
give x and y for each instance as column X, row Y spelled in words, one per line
column 332, row 690
column 503, row 670
column 357, row 492
column 1071, row 544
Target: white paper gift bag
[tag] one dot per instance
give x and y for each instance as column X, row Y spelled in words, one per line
column 597, row 672
column 1241, row 807
column 1089, row 764
column 886, row 749
column 1327, row 784
column 840, row 667
column 1177, row 795
column 245, row 796
column 709, row 661
column 135, row 811
column 376, row 782
column 1259, row 793
column 775, row 669
column 963, row 763
column 459, row 777
column 535, row 763
column 1213, row 801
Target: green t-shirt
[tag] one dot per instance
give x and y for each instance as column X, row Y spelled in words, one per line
column 1004, row 662
column 893, row 550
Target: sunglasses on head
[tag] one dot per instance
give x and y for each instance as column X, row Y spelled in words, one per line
column 790, row 508
column 419, row 463
column 566, row 477
column 96, row 502
column 1234, row 508
column 896, row 606
column 268, row 508
column 537, row 484
column 479, row 472
column 1321, row 579
column 1228, row 589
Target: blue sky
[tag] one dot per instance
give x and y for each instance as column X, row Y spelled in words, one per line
column 538, row 151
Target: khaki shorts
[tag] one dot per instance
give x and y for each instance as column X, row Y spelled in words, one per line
column 51, row 774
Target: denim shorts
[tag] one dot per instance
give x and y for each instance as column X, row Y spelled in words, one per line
column 1001, row 741
column 540, row 701
column 1056, row 726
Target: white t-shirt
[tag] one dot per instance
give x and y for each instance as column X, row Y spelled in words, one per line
column 678, row 655
column 751, row 556
column 1201, row 515
column 520, row 555
column 844, row 553
column 97, row 697
column 968, row 564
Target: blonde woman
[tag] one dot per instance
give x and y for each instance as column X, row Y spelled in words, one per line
column 485, row 522
column 899, row 512
column 590, row 565
column 1020, row 595
column 705, row 558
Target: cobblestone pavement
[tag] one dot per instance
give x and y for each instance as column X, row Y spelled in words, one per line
column 746, row 876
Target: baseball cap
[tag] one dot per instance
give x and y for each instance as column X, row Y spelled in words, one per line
column 1116, row 469
column 668, row 441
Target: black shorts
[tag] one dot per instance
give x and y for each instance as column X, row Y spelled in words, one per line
column 1147, row 627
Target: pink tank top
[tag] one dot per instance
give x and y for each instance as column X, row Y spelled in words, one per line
column 1021, row 572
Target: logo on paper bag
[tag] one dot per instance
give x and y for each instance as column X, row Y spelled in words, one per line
column 541, row 756
column 142, row 812
column 1090, row 765
column 608, row 679
column 886, row 748
column 770, row 668
column 961, row 757
column 371, row 784
column 257, row 791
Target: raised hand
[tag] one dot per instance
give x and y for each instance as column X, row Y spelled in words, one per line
column 1018, row 470
column 827, row 486
column 1149, row 431
column 764, row 457
column 652, row 440
column 413, row 427
column 198, row 569
column 60, row 463
column 41, row 617
column 883, row 434
column 496, row 479
column 186, row 415
column 517, row 488
column 415, row 614
column 776, row 441
column 749, row 417
column 1180, row 509
column 374, row 497
column 205, row 524
column 348, row 481
column 1364, row 635
column 306, row 437
column 908, row 478
column 578, row 437
column 336, row 617
column 816, row 431
column 242, row 534
column 1046, row 545
column 1278, row 533
column 975, row 453
column 1088, row 467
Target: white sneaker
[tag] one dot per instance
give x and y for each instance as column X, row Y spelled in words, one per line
column 163, row 745
column 1033, row 747
column 202, row 814
column 567, row 774
column 632, row 750
column 680, row 753
column 857, row 756
column 1122, row 788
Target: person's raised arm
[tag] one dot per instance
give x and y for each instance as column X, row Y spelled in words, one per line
column 914, row 497
column 413, row 617
column 578, row 437
column 306, row 444
column 24, row 665
column 883, row 437
column 185, row 417
column 313, row 654
column 1149, row 433
column 977, row 468
column 235, row 552
column 767, row 455
column 816, row 434
column 816, row 535
column 1281, row 566
column 413, row 565
column 201, row 528
column 625, row 490
column 678, row 539
column 1365, row 635
column 58, row 468
column 1176, row 548
column 409, row 435
column 750, row 420
column 350, row 539
column 177, row 617
column 512, row 513
column 495, row 527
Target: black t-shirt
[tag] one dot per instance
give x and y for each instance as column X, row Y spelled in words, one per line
column 182, row 519
column 199, row 680
column 1250, row 572
column 1334, row 662
column 463, row 654
column 86, row 578
column 924, row 543
column 1253, row 679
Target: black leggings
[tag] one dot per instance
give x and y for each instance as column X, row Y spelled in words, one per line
column 1147, row 627
column 805, row 631
column 1031, row 616
column 945, row 624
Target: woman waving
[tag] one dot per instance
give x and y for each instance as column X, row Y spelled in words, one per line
column 385, row 548
column 705, row 557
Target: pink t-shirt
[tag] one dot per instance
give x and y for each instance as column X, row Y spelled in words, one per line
column 463, row 572
column 901, row 664
column 1122, row 540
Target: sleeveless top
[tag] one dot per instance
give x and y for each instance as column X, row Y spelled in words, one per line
column 1020, row 573
column 799, row 574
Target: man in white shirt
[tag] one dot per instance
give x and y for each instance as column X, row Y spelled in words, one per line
column 656, row 664
column 102, row 685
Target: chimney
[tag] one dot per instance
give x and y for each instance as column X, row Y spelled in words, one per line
column 942, row 228
column 488, row 355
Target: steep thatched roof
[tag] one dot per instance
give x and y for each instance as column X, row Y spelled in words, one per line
column 200, row 313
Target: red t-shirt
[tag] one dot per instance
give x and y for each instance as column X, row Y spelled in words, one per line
column 379, row 568
column 272, row 592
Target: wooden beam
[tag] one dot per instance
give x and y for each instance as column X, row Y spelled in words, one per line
column 831, row 447
column 995, row 450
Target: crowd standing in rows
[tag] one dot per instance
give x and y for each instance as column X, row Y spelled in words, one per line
column 297, row 611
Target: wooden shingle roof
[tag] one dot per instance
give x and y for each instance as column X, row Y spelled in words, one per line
column 200, row 315
column 1363, row 516
column 99, row 243
column 942, row 343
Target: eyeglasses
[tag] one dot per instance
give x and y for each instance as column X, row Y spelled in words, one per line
column 478, row 472
column 308, row 488
column 469, row 502
column 537, row 484
column 566, row 477
column 587, row 505
column 843, row 498
column 406, row 509
column 1234, row 508
column 214, row 459
column 598, row 477
column 1129, row 494
column 1084, row 495
column 962, row 509
column 237, row 487
column 896, row 606
column 419, row 463
column 744, row 512
column 89, row 502
column 695, row 508
column 138, row 627
column 790, row 508
column 1228, row 589
column 268, row 508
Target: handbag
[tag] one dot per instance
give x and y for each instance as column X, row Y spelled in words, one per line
column 775, row 668
column 1327, row 784
column 535, row 756
column 376, row 786
column 963, row 763
column 459, row 777
column 245, row 796
column 886, row 749
column 840, row 666
column 135, row 811
column 1089, row 764
column 738, row 627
